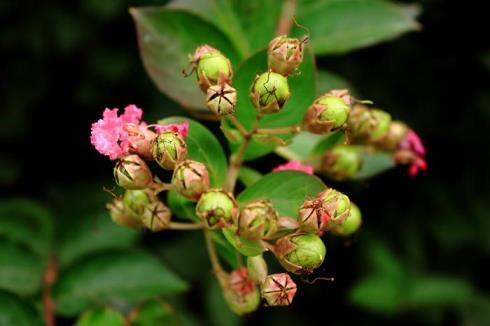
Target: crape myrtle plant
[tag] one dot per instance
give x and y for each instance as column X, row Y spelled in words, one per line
column 174, row 176
column 250, row 71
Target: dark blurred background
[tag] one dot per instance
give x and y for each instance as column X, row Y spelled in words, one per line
column 64, row 62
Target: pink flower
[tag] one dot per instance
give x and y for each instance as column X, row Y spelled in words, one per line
column 411, row 151
column 180, row 128
column 413, row 143
column 108, row 135
column 294, row 166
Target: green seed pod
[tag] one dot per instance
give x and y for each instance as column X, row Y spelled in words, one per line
column 391, row 140
column 212, row 67
column 221, row 99
column 257, row 220
column 337, row 206
column 217, row 208
column 300, row 254
column 257, row 268
column 367, row 125
column 168, row 149
column 269, row 92
column 285, row 54
column 351, row 224
column 241, row 293
column 121, row 215
column 190, row 179
column 382, row 125
column 137, row 200
column 328, row 112
column 278, row 289
column 131, row 172
column 342, row 162
column 156, row 216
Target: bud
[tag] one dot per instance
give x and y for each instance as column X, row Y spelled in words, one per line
column 156, row 216
column 139, row 138
column 212, row 67
column 351, row 224
column 221, row 99
column 395, row 135
column 190, row 179
column 382, row 125
column 300, row 254
column 257, row 220
column 217, row 208
column 269, row 92
column 368, row 125
column 278, row 289
column 342, row 162
column 241, row 293
column 328, row 112
column 168, row 149
column 336, row 204
column 122, row 215
column 137, row 200
column 257, row 268
column 285, row 54
column 131, row 172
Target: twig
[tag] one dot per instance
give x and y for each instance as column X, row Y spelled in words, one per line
column 49, row 277
column 185, row 226
column 286, row 20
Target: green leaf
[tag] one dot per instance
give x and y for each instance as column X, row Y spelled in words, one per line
column 101, row 317
column 21, row 270
column 26, row 222
column 302, row 87
column 225, row 250
column 113, row 277
column 248, row 176
column 155, row 312
column 327, row 80
column 374, row 163
column 301, row 146
column 285, row 189
column 93, row 233
column 327, row 142
column 217, row 309
column 433, row 291
column 15, row 311
column 250, row 24
column 202, row 146
column 181, row 206
column 244, row 246
column 378, row 294
column 339, row 26
column 166, row 38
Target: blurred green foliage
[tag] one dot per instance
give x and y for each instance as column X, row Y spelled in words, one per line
column 422, row 254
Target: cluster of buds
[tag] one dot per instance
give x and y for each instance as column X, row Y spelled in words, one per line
column 270, row 90
column 329, row 112
column 132, row 143
column 140, row 208
column 214, row 76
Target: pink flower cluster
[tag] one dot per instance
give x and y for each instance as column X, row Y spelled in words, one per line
column 413, row 143
column 294, row 166
column 116, row 136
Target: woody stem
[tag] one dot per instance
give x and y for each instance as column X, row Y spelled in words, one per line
column 185, row 226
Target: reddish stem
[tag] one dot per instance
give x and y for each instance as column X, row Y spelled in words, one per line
column 49, row 277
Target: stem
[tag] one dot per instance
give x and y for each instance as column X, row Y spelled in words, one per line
column 49, row 278
column 286, row 19
column 236, row 160
column 288, row 154
column 238, row 125
column 278, row 131
column 213, row 257
column 185, row 226
column 159, row 187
